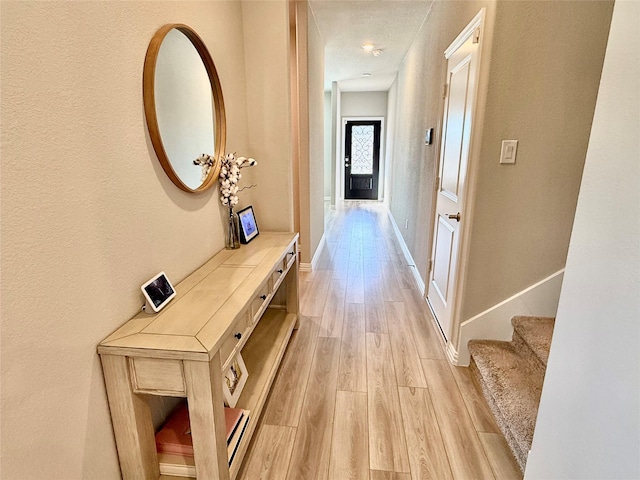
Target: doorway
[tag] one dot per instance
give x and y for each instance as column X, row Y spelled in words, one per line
column 361, row 159
column 462, row 58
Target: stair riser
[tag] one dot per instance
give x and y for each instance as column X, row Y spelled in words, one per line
column 533, row 335
column 525, row 349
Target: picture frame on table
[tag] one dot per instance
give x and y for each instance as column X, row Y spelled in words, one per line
column 234, row 380
column 248, row 225
column 157, row 292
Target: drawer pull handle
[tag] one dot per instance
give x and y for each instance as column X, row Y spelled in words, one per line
column 238, row 335
column 263, row 297
column 280, row 271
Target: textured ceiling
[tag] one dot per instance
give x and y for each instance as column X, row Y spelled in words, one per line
column 345, row 25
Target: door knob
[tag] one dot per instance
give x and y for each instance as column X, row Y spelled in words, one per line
column 455, row 217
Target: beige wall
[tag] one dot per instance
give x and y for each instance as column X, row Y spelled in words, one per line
column 266, row 37
column 335, row 140
column 364, row 104
column 87, row 212
column 418, row 107
column 310, row 78
column 392, row 104
column 301, row 119
column 588, row 423
column 316, row 134
column 327, row 145
column 541, row 78
column 542, row 92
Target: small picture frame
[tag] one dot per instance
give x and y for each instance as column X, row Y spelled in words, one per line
column 157, row 293
column 234, row 380
column 248, row 225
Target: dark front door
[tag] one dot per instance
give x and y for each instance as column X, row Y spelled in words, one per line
column 362, row 159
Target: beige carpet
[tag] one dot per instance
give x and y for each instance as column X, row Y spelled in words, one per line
column 511, row 376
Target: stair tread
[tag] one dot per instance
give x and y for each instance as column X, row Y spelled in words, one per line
column 537, row 332
column 514, row 381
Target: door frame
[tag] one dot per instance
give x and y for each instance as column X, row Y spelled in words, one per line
column 381, row 164
column 480, row 20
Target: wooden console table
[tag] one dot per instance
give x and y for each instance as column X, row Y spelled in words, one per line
column 240, row 300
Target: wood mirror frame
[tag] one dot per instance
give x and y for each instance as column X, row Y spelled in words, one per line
column 149, row 96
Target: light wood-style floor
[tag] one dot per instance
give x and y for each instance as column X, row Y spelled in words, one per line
column 364, row 390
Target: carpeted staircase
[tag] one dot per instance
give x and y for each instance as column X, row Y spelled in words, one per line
column 511, row 376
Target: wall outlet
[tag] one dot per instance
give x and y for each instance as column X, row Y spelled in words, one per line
column 406, row 223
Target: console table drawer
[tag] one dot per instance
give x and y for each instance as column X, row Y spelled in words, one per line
column 259, row 301
column 278, row 273
column 291, row 256
column 157, row 376
column 237, row 337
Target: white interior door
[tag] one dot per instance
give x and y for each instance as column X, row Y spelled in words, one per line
column 462, row 69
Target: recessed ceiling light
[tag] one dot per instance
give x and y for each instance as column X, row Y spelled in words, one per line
column 366, row 74
column 376, row 53
column 368, row 46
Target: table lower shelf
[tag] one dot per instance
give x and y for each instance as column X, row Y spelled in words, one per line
column 262, row 355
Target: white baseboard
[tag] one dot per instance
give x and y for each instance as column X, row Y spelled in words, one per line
column 539, row 300
column 452, row 353
column 450, row 350
column 407, row 255
column 309, row 267
column 318, row 252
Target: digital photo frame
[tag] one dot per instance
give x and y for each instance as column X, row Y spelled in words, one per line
column 248, row 225
column 157, row 292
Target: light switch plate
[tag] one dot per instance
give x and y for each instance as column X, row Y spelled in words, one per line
column 508, row 152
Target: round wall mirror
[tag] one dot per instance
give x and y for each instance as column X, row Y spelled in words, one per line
column 184, row 106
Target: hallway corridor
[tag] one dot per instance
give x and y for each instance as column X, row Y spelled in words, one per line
column 364, row 390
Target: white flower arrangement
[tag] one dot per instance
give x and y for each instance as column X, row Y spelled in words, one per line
column 230, row 176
